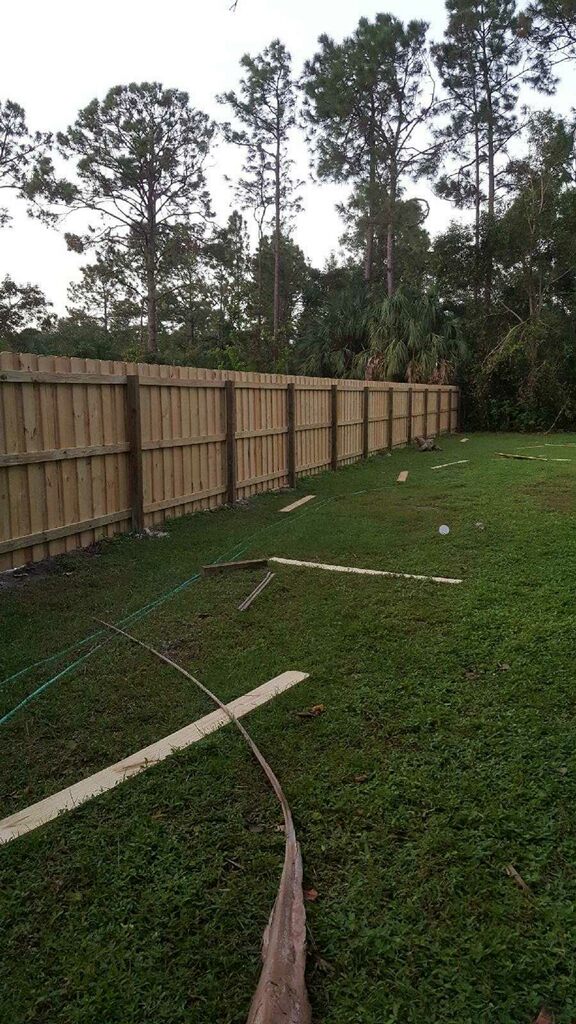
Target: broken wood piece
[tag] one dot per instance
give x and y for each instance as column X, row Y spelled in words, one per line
column 281, row 991
column 402, row 477
column 253, row 563
column 463, row 440
column 257, row 590
column 511, row 871
column 362, row 572
column 296, row 504
column 459, row 462
column 30, row 818
column 426, row 444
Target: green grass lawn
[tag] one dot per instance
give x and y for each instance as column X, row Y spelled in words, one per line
column 446, row 751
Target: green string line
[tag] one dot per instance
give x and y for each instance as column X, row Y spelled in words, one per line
column 136, row 616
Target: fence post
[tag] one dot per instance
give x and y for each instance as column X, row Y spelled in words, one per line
column 291, row 410
column 438, row 411
column 366, row 424
column 460, row 407
column 134, row 426
column 410, row 403
column 426, row 411
column 334, row 432
column 231, row 442
column 390, row 418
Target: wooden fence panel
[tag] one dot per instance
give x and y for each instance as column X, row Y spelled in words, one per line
column 75, row 465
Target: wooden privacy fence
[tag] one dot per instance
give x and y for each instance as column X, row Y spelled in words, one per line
column 90, row 448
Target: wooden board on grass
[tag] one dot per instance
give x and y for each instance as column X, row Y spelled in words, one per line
column 402, row 477
column 296, row 504
column 67, row 799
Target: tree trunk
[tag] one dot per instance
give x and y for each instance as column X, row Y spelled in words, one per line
column 151, row 306
column 477, row 208
column 491, row 191
column 391, row 238
column 369, row 255
column 276, row 325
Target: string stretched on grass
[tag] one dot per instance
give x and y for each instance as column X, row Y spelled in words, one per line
column 281, row 991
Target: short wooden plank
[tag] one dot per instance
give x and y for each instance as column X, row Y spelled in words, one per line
column 464, row 440
column 296, row 504
column 183, row 499
column 362, row 572
column 251, row 563
column 64, row 531
column 45, row 377
column 67, row 799
column 182, row 442
column 174, row 382
column 443, row 465
column 57, row 455
column 242, row 435
column 402, row 477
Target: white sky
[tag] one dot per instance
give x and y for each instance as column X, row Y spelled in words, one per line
column 58, row 56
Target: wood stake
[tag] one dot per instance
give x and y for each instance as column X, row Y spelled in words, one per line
column 245, row 604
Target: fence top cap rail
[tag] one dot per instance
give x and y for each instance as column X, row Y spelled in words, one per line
column 48, row 377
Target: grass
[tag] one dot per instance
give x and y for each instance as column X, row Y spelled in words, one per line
column 446, row 751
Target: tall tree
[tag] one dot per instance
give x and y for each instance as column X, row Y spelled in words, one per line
column 140, row 157
column 482, row 63
column 25, row 164
column 368, row 100
column 101, row 287
column 265, row 105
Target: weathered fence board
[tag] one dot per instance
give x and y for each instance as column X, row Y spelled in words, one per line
column 90, row 448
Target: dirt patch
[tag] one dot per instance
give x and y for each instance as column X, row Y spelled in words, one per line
column 557, row 495
column 60, row 565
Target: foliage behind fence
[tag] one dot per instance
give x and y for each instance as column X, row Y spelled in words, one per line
column 90, row 448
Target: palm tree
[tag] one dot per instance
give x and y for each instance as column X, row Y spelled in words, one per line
column 413, row 338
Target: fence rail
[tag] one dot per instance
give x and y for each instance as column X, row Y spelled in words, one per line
column 90, row 448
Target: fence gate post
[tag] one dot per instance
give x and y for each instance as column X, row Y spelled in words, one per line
column 438, row 411
column 390, row 418
column 426, row 411
column 134, row 425
column 410, row 404
column 291, row 410
column 231, row 442
column 366, row 424
column 334, row 431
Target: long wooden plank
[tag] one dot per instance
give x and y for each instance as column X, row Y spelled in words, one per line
column 443, row 465
column 530, row 458
column 296, row 504
column 363, row 572
column 67, row 799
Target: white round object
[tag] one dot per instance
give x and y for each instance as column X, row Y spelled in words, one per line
column 444, row 530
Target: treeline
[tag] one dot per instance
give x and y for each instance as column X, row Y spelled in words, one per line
column 489, row 303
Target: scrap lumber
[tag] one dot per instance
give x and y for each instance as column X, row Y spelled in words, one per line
column 464, row 440
column 530, row 458
column 281, row 991
column 402, row 477
column 252, row 563
column 444, row 465
column 514, row 874
column 363, row 572
column 245, row 604
column 67, row 799
column 296, row 504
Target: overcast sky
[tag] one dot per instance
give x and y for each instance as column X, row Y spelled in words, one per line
column 58, row 56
